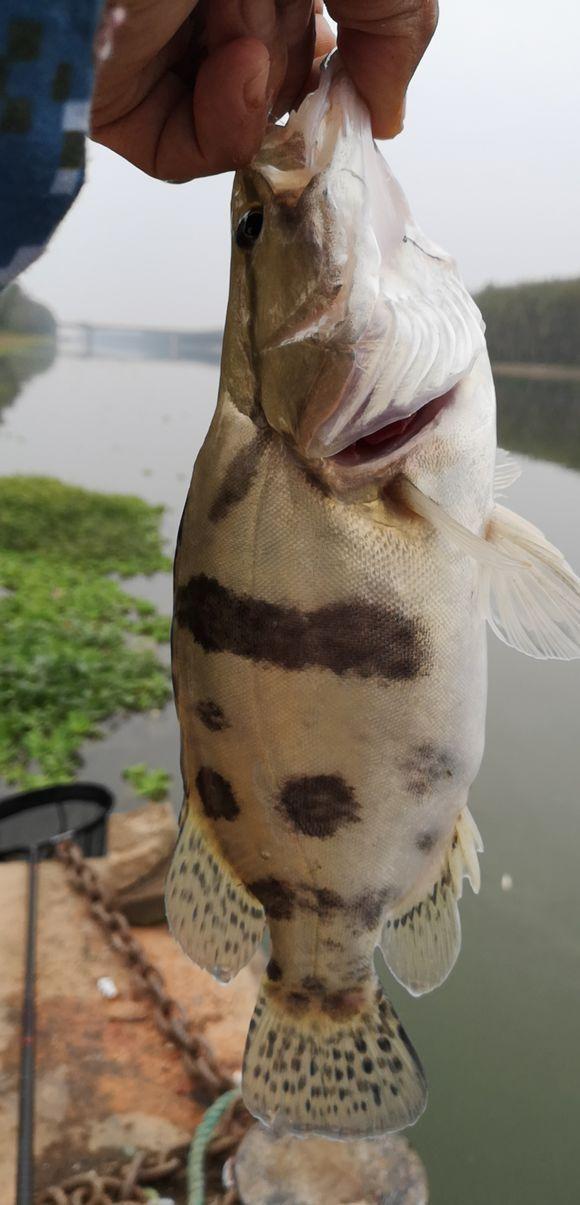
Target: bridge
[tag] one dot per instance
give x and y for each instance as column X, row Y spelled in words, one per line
column 86, row 340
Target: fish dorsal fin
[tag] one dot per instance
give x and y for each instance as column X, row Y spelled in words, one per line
column 422, row 938
column 212, row 915
column 529, row 594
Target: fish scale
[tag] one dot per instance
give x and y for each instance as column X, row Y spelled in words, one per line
column 329, row 638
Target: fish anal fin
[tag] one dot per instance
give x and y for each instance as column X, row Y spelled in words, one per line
column 421, row 939
column 216, row 920
column 357, row 1076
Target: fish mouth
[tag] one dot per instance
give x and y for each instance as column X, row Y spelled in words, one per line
column 379, row 448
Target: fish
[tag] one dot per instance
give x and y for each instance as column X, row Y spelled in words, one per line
column 342, row 552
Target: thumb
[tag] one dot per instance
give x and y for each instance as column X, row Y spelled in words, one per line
column 176, row 135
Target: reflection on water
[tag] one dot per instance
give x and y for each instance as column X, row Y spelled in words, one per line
column 501, row 1039
column 19, row 364
column 540, row 418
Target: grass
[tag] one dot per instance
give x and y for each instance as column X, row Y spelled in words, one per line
column 150, row 783
column 75, row 648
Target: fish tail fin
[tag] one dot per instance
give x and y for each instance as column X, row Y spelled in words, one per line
column 337, row 1065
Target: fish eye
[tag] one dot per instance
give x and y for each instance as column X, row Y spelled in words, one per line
column 249, row 228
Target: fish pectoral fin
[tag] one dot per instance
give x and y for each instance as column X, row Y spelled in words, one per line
column 535, row 607
column 529, row 595
column 422, row 938
column 306, row 1072
column 210, row 912
column 507, row 471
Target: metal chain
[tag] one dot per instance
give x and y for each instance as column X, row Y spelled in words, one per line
column 126, row 1182
column 121, row 1184
column 170, row 1018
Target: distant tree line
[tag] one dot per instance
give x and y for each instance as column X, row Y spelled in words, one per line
column 27, row 341
column 537, row 322
column 20, row 314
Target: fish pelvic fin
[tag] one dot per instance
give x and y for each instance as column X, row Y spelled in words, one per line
column 215, row 919
column 341, row 1067
column 529, row 595
column 421, row 939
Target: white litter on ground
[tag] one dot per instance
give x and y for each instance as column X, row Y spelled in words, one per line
column 107, row 987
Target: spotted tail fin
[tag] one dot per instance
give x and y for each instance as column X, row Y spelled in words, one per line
column 213, row 916
column 306, row 1071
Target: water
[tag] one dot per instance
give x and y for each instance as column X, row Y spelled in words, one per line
column 501, row 1039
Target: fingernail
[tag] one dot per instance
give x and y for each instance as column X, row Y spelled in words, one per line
column 256, row 88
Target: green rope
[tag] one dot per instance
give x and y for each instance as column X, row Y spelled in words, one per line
column 198, row 1148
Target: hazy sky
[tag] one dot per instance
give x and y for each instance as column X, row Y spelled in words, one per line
column 490, row 160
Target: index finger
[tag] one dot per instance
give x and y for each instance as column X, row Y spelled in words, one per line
column 381, row 42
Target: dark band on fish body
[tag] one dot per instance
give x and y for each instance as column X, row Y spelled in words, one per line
column 365, row 909
column 277, row 898
column 211, row 715
column 347, row 637
column 319, row 805
column 218, row 799
column 238, row 477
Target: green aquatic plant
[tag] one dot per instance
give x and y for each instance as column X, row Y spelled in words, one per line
column 75, row 648
column 149, row 782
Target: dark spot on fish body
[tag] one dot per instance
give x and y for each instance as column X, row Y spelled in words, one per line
column 276, row 897
column 216, row 795
column 348, row 637
column 368, row 907
column 297, row 1000
column 274, row 971
column 324, row 901
column 238, row 477
column 211, row 715
column 311, row 983
column 429, row 766
column 426, row 841
column 331, row 944
column 319, row 805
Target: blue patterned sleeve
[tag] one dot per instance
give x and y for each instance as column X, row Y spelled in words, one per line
column 46, row 77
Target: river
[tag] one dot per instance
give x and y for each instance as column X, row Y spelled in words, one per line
column 501, row 1039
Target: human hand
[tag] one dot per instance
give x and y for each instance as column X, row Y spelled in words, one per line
column 190, row 84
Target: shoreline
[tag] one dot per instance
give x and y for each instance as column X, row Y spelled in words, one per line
column 536, row 372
